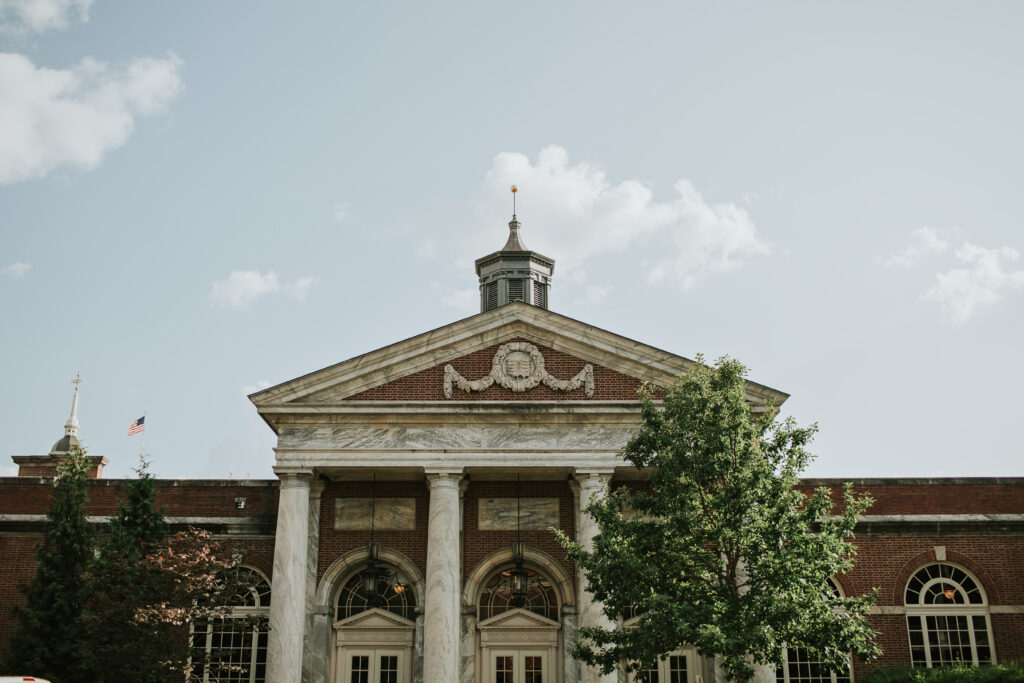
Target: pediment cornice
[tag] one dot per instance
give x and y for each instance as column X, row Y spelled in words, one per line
column 324, row 391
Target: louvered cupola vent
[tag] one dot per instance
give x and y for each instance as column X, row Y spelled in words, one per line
column 514, row 274
column 515, row 289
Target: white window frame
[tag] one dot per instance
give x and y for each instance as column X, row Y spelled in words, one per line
column 664, row 667
column 374, row 656
column 238, row 612
column 519, row 656
column 923, row 611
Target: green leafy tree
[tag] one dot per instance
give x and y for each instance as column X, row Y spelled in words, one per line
column 118, row 647
column 47, row 638
column 720, row 550
column 148, row 591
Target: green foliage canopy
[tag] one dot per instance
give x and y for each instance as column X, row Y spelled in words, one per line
column 719, row 550
column 47, row 637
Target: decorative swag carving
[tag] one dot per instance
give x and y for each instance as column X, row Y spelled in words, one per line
column 519, row 366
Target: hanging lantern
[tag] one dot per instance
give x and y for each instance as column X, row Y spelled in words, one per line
column 372, row 574
column 519, row 577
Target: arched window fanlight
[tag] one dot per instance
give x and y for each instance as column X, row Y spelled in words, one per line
column 391, row 591
column 947, row 618
column 538, row 597
column 235, row 643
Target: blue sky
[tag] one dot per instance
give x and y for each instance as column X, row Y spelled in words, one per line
column 201, row 199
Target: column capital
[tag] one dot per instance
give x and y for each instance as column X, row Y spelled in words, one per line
column 592, row 479
column 444, row 478
column 294, row 476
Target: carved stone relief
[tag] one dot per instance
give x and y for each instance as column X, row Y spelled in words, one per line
column 390, row 514
column 519, row 367
column 502, row 514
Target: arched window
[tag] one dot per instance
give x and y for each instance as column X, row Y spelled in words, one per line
column 393, row 594
column 947, row 618
column 497, row 595
column 236, row 643
column 800, row 666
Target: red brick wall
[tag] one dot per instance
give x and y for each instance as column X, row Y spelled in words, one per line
column 888, row 563
column 479, row 544
column 932, row 497
column 334, row 544
column 27, row 496
column 428, row 385
column 17, row 552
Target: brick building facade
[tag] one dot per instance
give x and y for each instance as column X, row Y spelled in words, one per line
column 416, row 485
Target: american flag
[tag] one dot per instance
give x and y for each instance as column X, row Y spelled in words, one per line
column 137, row 426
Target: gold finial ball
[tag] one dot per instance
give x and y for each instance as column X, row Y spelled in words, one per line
column 514, row 189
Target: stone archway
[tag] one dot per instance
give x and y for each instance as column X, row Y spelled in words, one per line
column 323, row 639
column 517, row 637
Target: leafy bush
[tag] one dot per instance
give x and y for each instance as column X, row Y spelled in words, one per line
column 1007, row 673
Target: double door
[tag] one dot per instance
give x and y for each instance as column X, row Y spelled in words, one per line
column 519, row 666
column 374, row 666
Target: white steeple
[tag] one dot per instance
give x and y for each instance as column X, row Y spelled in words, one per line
column 71, row 426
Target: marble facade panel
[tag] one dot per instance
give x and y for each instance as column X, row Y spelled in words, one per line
column 509, row 514
column 389, row 514
column 466, row 438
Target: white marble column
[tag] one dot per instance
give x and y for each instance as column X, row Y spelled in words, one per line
column 441, row 599
column 288, row 607
column 314, row 654
column 591, row 485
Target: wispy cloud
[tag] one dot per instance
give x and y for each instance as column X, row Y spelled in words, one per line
column 594, row 295
column 964, row 292
column 16, row 270
column 243, row 287
column 75, row 116
column 579, row 214
column 38, row 16
column 927, row 242
column 253, row 388
column 341, row 212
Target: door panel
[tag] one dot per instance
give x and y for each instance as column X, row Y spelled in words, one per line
column 519, row 666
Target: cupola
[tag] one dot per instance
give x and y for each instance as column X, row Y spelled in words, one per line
column 514, row 273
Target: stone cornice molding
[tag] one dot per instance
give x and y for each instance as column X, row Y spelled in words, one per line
column 443, row 345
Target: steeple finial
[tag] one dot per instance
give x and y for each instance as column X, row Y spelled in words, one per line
column 71, row 426
column 514, row 190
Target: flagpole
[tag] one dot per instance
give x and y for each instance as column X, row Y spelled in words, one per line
column 142, row 448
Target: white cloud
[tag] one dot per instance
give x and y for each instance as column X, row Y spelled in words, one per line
column 341, row 212
column 594, row 295
column 16, row 270
column 37, row 16
column 963, row 292
column 73, row 117
column 299, row 289
column 573, row 213
column 467, row 299
column 253, row 388
column 243, row 287
column 928, row 242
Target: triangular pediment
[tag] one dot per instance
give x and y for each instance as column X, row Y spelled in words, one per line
column 417, row 369
column 375, row 618
column 517, row 619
